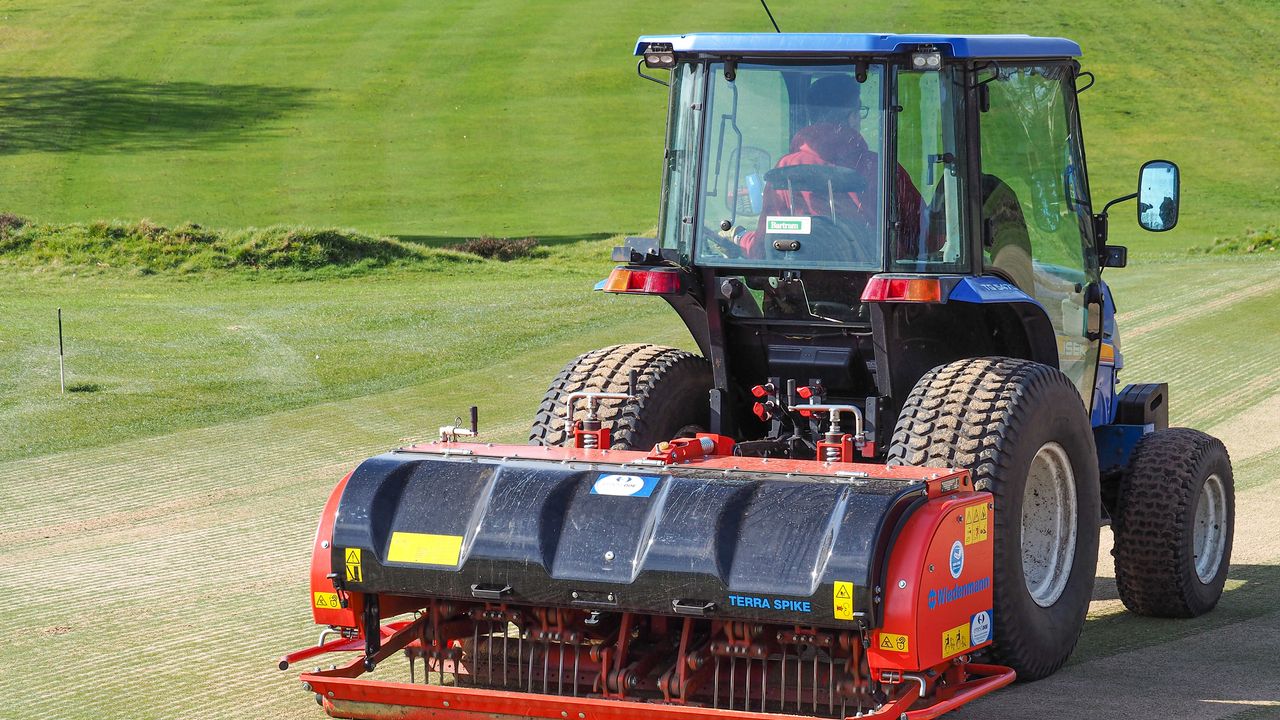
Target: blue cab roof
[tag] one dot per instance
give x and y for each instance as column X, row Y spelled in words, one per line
column 954, row 46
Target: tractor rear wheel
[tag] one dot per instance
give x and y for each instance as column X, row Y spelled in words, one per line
column 671, row 401
column 1021, row 430
column 1174, row 524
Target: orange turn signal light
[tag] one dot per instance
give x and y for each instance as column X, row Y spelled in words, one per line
column 890, row 289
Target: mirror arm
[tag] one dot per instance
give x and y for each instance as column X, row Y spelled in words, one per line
column 651, row 78
column 1107, row 207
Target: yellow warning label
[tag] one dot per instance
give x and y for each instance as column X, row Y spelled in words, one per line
column 326, row 601
column 351, row 558
column 975, row 524
column 424, row 549
column 955, row 640
column 894, row 643
column 843, row 598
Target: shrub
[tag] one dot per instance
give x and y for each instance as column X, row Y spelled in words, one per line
column 1251, row 241
column 503, row 249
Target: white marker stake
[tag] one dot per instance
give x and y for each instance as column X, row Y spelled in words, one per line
column 62, row 374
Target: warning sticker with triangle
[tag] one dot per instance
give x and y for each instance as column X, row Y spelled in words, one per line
column 351, row 559
column 842, row 601
column 890, row 642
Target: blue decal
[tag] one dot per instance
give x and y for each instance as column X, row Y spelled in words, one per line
column 984, row 290
column 957, row 559
column 980, row 627
column 764, row 603
column 938, row 598
column 625, row 485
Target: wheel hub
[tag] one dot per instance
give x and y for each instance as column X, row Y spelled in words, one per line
column 1048, row 524
column 1209, row 535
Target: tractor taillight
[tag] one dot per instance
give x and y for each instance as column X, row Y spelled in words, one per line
column 890, row 289
column 647, row 282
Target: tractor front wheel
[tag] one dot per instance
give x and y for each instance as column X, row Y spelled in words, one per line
column 1021, row 430
column 1174, row 526
column 672, row 396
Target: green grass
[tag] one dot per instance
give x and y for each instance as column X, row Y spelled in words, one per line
column 168, row 353
column 159, row 515
column 455, row 119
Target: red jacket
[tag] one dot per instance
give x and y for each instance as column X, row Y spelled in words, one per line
column 834, row 144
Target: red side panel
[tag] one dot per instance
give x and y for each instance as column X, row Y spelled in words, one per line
column 938, row 594
column 326, row 606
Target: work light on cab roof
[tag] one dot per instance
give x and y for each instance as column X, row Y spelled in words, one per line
column 874, row 491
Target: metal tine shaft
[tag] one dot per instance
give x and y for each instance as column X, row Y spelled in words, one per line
column 715, row 685
column 546, row 663
column 531, row 653
column 506, row 659
column 411, row 680
column 733, row 672
column 488, row 652
column 746, row 698
column 560, row 674
column 782, row 680
column 764, row 681
column 799, row 678
column 519, row 654
column 815, row 681
column 831, row 683
column 475, row 647
column 577, row 650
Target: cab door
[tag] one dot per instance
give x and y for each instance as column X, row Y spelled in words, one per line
column 1036, row 228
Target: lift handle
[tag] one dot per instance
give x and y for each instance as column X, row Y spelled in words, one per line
column 693, row 607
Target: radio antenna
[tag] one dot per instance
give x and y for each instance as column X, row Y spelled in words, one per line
column 766, row 12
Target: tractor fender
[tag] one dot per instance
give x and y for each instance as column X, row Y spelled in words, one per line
column 1042, row 343
column 977, row 317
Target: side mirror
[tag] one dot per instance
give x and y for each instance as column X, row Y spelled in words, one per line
column 1158, row 196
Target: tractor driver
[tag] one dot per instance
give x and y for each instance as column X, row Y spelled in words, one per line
column 834, row 138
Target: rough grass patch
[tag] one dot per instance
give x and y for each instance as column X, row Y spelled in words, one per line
column 149, row 248
column 1251, row 241
column 504, row 249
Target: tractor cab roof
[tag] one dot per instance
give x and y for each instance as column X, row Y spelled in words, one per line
column 843, row 44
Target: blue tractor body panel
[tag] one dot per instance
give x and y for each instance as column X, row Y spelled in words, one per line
column 810, row 44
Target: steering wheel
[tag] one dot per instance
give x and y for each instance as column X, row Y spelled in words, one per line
column 727, row 248
column 816, row 178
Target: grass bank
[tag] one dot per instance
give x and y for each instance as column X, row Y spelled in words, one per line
column 453, row 119
column 147, row 248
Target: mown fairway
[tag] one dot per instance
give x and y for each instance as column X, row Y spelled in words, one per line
column 160, row 577
column 156, row 530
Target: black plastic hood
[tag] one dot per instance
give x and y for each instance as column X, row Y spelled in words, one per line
column 667, row 539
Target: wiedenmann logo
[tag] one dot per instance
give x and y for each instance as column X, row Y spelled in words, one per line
column 955, row 592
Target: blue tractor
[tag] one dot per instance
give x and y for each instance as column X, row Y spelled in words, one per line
column 902, row 226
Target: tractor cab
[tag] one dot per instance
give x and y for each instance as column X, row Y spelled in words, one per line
column 856, row 209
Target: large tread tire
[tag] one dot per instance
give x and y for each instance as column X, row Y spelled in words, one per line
column 1155, row 523
column 672, row 396
column 992, row 416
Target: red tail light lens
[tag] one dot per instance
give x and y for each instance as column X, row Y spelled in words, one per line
column 644, row 282
column 883, row 289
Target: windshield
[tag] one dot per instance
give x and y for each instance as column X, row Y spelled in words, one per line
column 792, row 167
